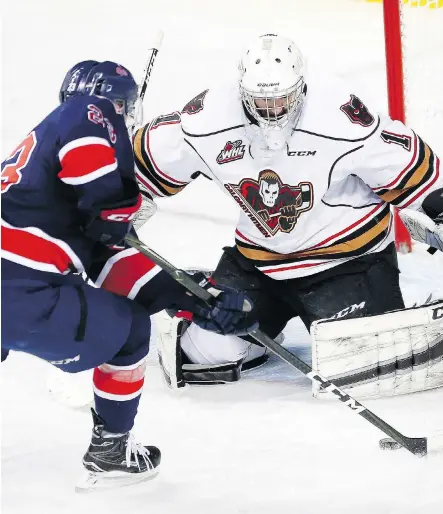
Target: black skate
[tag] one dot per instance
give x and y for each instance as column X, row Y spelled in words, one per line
column 115, row 461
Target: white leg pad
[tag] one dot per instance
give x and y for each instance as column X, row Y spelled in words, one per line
column 210, row 358
column 204, row 347
column 396, row 353
column 168, row 348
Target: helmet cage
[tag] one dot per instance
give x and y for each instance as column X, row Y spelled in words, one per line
column 275, row 108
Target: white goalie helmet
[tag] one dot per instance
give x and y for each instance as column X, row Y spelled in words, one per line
column 272, row 86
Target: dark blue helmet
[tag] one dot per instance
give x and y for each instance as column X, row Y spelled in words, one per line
column 107, row 79
column 75, row 80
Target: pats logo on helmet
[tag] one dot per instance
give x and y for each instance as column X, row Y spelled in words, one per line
column 121, row 71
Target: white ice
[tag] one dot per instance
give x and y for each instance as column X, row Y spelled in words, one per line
column 264, row 444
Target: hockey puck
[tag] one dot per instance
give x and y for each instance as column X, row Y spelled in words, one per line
column 389, row 444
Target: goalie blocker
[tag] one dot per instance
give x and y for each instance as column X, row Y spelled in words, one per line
column 396, row 353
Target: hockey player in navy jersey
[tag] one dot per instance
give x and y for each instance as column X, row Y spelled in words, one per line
column 69, row 196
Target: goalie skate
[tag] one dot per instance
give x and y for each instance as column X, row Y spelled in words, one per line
column 116, row 460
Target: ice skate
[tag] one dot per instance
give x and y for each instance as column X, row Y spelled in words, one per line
column 116, row 460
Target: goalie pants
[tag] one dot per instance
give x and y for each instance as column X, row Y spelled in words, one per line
column 75, row 327
column 361, row 287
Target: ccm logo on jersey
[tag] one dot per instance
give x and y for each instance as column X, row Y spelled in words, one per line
column 301, row 153
column 437, row 313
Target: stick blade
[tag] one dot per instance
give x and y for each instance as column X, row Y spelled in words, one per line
column 416, row 445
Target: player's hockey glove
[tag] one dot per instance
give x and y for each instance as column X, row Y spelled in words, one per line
column 111, row 224
column 427, row 226
column 226, row 314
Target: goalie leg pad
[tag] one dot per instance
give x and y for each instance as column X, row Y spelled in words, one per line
column 191, row 355
column 395, row 353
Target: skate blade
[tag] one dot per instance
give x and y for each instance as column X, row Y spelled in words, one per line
column 92, row 481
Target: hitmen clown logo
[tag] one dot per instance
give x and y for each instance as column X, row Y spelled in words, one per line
column 270, row 204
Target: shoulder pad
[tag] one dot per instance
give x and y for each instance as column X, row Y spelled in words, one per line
column 213, row 110
column 332, row 110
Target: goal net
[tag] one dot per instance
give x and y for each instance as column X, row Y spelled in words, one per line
column 413, row 32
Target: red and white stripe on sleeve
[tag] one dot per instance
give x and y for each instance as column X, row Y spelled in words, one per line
column 34, row 248
column 126, row 272
column 86, row 159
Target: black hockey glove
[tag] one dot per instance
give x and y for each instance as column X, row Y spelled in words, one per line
column 227, row 313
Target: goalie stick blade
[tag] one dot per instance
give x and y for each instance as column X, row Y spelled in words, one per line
column 416, row 445
column 91, row 482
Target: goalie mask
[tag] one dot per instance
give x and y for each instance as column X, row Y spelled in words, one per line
column 272, row 87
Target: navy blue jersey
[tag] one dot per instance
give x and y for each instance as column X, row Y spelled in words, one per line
column 67, row 186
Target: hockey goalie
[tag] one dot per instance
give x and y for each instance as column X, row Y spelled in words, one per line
column 314, row 172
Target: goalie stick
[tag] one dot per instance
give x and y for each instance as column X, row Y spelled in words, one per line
column 417, row 446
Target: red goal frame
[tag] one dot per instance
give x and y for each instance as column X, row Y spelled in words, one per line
column 396, row 99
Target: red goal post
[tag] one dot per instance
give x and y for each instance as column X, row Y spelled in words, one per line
column 401, row 25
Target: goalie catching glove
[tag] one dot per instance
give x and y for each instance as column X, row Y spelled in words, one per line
column 427, row 226
column 423, row 229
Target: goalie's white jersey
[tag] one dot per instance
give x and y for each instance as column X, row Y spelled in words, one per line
column 319, row 202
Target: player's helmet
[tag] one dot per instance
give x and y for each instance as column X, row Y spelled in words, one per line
column 75, row 80
column 272, row 84
column 107, row 79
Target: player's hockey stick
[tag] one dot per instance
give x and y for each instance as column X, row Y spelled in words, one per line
column 157, row 42
column 150, row 63
column 417, row 446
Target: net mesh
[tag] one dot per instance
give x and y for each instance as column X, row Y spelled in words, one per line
column 422, row 42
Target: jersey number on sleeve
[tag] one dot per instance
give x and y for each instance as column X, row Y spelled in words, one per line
column 397, row 139
column 165, row 119
column 96, row 116
column 14, row 164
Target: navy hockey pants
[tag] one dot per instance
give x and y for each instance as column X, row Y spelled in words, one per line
column 75, row 327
